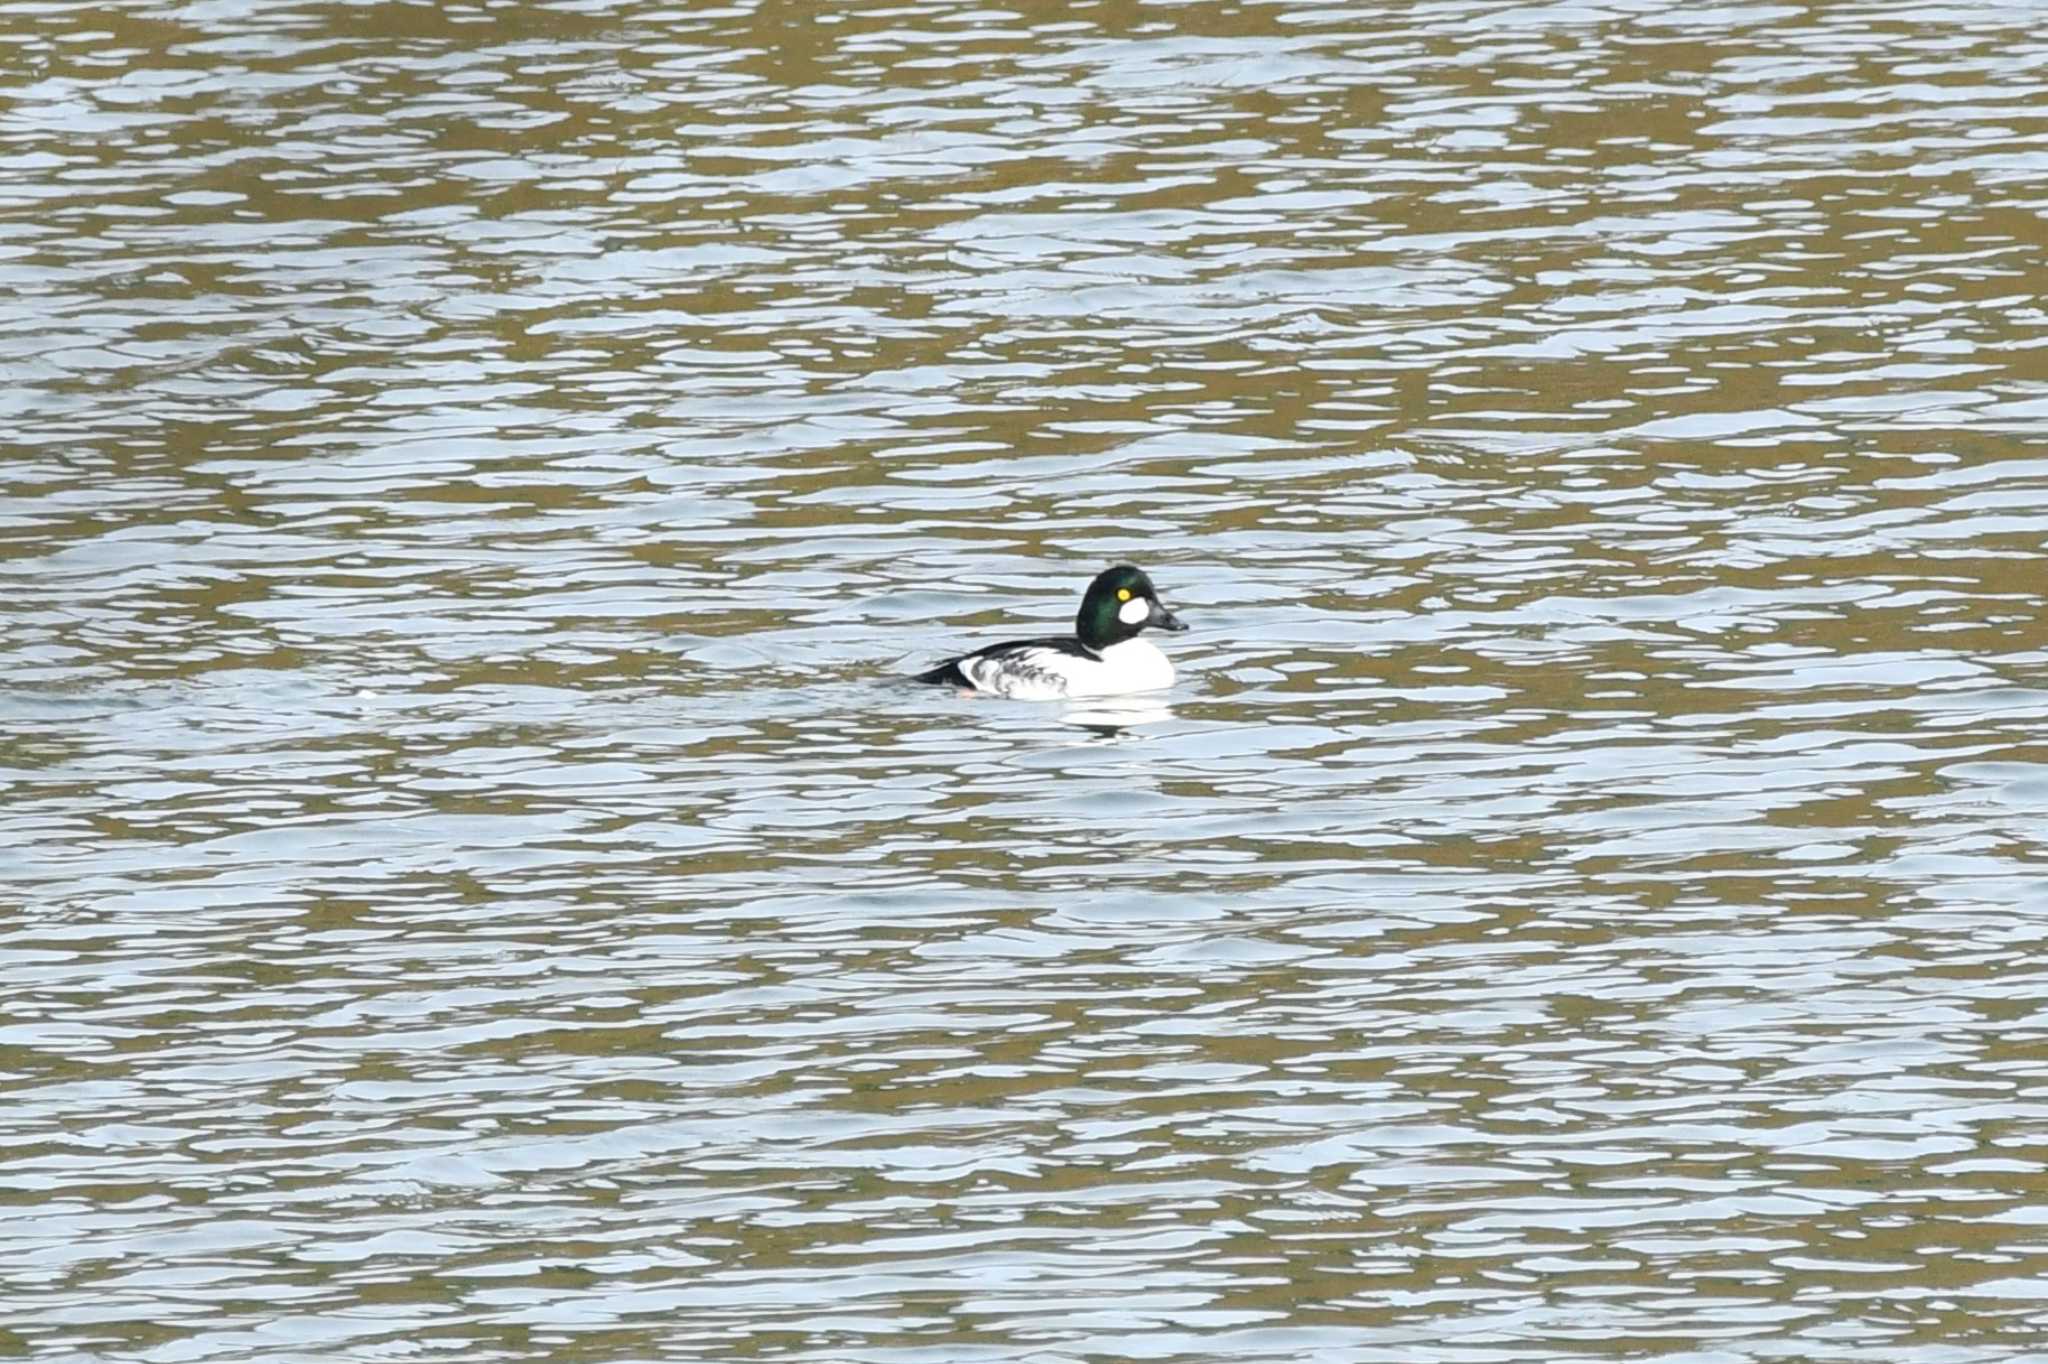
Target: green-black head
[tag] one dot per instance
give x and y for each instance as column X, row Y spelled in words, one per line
column 1120, row 602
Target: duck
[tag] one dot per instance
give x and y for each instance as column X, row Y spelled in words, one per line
column 1103, row 657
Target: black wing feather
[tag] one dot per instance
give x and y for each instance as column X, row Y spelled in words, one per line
column 948, row 673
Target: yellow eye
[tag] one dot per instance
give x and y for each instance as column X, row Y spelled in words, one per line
column 1123, row 594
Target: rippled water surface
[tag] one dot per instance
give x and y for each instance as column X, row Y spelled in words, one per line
column 477, row 886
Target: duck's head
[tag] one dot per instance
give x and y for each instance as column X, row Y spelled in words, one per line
column 1121, row 602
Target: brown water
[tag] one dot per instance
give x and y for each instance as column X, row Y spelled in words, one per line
column 476, row 888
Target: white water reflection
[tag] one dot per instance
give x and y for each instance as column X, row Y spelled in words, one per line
column 1112, row 715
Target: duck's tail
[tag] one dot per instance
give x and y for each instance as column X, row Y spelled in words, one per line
column 947, row 674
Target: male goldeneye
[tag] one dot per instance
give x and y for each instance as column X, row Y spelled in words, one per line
column 1103, row 657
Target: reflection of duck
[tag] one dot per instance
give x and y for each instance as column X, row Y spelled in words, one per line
column 1103, row 657
column 1110, row 717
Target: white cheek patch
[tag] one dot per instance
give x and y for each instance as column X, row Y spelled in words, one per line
column 1134, row 611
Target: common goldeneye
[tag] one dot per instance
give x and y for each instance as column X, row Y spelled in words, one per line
column 1103, row 657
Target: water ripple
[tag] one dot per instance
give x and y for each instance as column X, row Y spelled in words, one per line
column 479, row 883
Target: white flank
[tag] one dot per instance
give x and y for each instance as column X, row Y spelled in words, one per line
column 1051, row 674
column 1026, row 674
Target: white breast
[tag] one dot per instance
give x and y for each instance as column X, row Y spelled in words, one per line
column 1133, row 665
